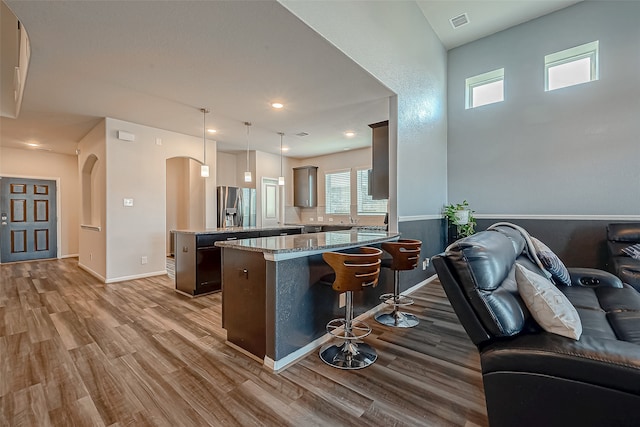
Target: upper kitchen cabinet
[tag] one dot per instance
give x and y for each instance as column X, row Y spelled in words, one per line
column 380, row 161
column 305, row 186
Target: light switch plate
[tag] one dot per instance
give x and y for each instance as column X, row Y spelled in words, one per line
column 127, row 202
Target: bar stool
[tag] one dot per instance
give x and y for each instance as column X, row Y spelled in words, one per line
column 353, row 272
column 405, row 254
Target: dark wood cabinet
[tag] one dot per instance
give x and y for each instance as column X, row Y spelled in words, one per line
column 198, row 259
column 305, row 186
column 379, row 177
column 244, row 300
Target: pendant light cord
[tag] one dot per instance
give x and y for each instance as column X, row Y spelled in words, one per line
column 204, row 137
column 281, row 135
column 248, row 124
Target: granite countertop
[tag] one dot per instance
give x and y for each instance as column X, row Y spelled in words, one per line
column 297, row 245
column 235, row 229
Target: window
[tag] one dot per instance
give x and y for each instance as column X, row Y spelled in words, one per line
column 571, row 66
column 338, row 192
column 366, row 205
column 484, row 89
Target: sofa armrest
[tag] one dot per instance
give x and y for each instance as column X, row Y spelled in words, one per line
column 607, row 363
column 591, row 277
column 548, row 380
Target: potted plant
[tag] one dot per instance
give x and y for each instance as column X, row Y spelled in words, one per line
column 461, row 215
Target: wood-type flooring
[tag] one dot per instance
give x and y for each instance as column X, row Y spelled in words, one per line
column 77, row 352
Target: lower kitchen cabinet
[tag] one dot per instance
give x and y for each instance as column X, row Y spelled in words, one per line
column 198, row 260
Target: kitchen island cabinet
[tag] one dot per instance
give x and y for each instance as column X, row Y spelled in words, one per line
column 274, row 306
column 198, row 260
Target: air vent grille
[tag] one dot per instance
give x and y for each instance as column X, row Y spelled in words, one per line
column 459, row 21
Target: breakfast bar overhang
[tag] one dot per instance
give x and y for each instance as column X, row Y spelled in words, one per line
column 274, row 305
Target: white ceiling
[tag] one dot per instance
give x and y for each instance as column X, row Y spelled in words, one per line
column 485, row 17
column 158, row 63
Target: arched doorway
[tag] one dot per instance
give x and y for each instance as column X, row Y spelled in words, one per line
column 185, row 203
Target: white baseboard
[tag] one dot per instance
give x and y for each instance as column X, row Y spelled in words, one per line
column 136, row 276
column 69, row 256
column 91, row 272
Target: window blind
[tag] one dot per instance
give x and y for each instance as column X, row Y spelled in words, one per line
column 338, row 192
column 366, row 205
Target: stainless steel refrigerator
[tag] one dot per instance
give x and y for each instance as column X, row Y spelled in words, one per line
column 236, row 206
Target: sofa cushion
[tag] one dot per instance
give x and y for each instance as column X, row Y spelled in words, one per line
column 551, row 309
column 626, row 325
column 615, row 299
column 482, row 262
column 595, row 324
column 628, row 270
column 633, row 251
column 581, row 297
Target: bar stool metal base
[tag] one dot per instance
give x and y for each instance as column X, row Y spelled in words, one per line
column 397, row 319
column 348, row 355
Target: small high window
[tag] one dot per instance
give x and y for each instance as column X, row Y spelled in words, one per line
column 571, row 66
column 484, row 89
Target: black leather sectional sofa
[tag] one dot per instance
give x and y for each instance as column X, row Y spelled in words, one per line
column 620, row 236
column 537, row 378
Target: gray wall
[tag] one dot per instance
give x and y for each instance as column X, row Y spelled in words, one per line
column 573, row 151
column 432, row 234
column 578, row 243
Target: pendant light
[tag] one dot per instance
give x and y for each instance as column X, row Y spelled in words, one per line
column 204, row 169
column 281, row 177
column 247, row 174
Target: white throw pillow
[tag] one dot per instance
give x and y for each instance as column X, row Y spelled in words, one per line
column 548, row 306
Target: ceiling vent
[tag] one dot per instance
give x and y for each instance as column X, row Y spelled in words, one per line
column 302, row 134
column 459, row 21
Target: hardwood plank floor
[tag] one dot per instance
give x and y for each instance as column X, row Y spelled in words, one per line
column 74, row 351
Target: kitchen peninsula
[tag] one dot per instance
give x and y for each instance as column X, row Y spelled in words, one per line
column 274, row 305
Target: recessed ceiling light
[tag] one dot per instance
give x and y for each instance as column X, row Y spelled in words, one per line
column 32, row 144
column 346, row 149
column 277, row 105
column 212, row 130
column 349, row 134
column 285, row 148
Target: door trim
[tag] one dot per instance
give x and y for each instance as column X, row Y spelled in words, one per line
column 58, row 207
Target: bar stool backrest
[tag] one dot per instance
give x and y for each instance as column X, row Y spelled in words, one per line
column 405, row 253
column 354, row 271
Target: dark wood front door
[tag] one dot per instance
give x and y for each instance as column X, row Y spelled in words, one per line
column 27, row 219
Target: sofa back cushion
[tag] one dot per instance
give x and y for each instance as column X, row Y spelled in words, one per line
column 484, row 264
